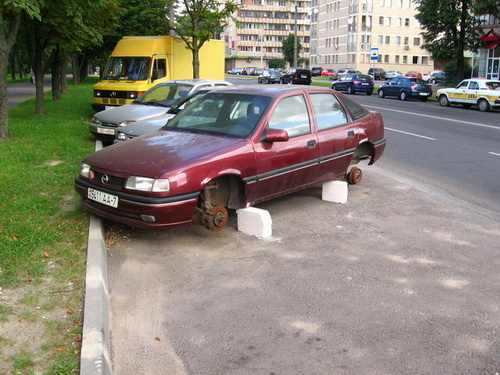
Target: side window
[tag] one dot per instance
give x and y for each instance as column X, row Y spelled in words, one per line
column 291, row 115
column 394, row 81
column 159, row 68
column 356, row 110
column 473, row 86
column 463, row 84
column 329, row 112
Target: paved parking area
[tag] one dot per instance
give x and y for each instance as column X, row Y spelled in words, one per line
column 396, row 281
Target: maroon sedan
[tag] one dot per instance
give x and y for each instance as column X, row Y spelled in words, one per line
column 231, row 148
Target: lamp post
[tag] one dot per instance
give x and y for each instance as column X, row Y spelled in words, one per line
column 295, row 39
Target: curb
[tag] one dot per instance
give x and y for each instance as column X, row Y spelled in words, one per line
column 95, row 354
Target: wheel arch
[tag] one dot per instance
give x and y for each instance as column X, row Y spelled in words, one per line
column 363, row 151
column 230, row 190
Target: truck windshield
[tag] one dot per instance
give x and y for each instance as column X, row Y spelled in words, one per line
column 127, row 68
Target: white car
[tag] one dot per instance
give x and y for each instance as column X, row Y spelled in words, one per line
column 393, row 74
column 153, row 103
column 427, row 76
column 485, row 93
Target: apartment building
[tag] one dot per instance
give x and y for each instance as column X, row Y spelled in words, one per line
column 263, row 26
column 364, row 34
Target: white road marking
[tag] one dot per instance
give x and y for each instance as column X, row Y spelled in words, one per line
column 494, row 153
column 413, row 134
column 437, row 117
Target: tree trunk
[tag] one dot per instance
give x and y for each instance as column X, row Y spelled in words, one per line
column 13, row 66
column 4, row 119
column 56, row 76
column 6, row 43
column 196, row 63
column 76, row 71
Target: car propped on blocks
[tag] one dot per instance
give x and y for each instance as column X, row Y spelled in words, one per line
column 231, row 148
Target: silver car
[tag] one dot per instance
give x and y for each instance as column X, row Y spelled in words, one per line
column 138, row 128
column 152, row 104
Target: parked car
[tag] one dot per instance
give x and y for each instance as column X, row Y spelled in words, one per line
column 353, row 83
column 404, row 88
column 377, row 73
column 269, row 76
column 427, row 76
column 296, row 76
column 236, row 71
column 481, row 92
column 393, row 74
column 341, row 72
column 413, row 74
column 316, row 71
column 154, row 102
column 230, row 149
column 327, row 72
column 138, row 128
column 437, row 77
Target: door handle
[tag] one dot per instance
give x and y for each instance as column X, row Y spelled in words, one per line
column 350, row 134
column 311, row 144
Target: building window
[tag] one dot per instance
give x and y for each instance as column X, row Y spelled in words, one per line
column 405, row 59
column 386, row 59
column 396, row 59
column 415, row 60
column 425, row 60
column 380, row 39
column 406, row 41
column 387, row 39
column 399, row 22
column 416, row 41
column 381, row 21
column 407, row 22
column 398, row 40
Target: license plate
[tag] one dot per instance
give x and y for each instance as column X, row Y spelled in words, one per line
column 303, row 76
column 365, row 84
column 424, row 93
column 104, row 198
column 106, row 131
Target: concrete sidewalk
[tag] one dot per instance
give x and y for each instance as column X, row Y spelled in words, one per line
column 398, row 280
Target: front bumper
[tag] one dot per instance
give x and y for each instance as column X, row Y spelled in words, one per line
column 139, row 211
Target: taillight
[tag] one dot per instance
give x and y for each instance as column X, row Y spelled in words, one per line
column 414, row 87
column 296, row 76
column 355, row 82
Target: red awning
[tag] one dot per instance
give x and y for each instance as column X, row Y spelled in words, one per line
column 491, row 39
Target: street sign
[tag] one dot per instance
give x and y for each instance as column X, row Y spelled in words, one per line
column 374, row 54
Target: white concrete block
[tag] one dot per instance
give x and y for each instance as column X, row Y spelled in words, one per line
column 335, row 191
column 255, row 222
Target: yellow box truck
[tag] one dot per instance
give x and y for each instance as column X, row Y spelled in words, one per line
column 139, row 62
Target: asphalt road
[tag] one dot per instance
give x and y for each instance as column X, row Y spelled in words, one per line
column 22, row 91
column 396, row 281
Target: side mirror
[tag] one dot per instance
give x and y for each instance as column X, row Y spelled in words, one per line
column 275, row 135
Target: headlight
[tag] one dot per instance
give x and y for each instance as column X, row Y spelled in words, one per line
column 148, row 184
column 124, row 123
column 121, row 136
column 95, row 120
column 85, row 170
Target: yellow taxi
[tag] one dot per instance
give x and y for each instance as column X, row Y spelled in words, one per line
column 485, row 93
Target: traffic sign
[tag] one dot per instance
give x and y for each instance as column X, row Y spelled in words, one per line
column 374, row 54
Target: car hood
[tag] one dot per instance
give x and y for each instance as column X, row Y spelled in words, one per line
column 146, row 126
column 130, row 112
column 154, row 155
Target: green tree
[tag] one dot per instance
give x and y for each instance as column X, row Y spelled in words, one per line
column 289, row 48
column 200, row 20
column 10, row 18
column 452, row 27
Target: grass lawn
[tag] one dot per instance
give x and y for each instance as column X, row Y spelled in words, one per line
column 43, row 235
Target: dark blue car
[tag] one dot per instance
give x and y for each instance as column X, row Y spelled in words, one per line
column 353, row 83
column 406, row 87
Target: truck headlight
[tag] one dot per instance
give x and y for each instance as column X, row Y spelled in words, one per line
column 158, row 185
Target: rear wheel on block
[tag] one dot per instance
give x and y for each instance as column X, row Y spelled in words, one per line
column 354, row 176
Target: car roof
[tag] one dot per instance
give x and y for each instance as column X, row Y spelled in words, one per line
column 272, row 91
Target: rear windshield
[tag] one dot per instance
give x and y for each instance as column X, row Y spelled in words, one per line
column 165, row 95
column 365, row 77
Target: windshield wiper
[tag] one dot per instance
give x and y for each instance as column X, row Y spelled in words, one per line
column 155, row 103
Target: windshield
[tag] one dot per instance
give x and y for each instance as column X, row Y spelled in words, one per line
column 127, row 68
column 225, row 114
column 165, row 95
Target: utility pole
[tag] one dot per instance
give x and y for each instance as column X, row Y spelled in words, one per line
column 295, row 39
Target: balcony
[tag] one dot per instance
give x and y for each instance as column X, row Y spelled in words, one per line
column 366, row 7
column 353, row 8
column 351, row 46
column 352, row 27
column 365, row 27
